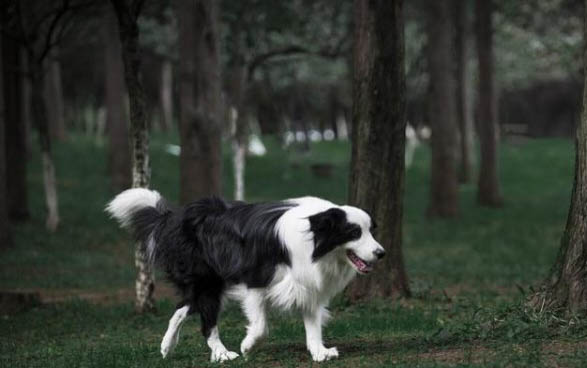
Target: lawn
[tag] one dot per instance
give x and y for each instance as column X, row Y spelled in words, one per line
column 469, row 275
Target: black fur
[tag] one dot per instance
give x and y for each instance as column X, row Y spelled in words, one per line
column 211, row 244
column 331, row 229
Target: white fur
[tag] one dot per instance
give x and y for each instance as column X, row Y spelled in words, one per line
column 171, row 337
column 305, row 285
column 130, row 201
column 219, row 352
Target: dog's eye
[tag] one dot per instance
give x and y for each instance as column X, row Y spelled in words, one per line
column 355, row 233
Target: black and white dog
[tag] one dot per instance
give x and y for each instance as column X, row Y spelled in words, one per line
column 294, row 254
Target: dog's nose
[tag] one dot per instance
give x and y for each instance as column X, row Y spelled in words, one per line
column 379, row 253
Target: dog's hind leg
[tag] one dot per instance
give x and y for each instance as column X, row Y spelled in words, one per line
column 254, row 308
column 171, row 337
column 209, row 308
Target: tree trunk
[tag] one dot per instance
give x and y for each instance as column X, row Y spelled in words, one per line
column 127, row 12
column 443, row 178
column 200, row 100
column 238, row 78
column 15, row 147
column 54, row 97
column 166, row 95
column 5, row 233
column 119, row 150
column 463, row 110
column 26, row 114
column 566, row 287
column 378, row 137
column 36, row 75
column 489, row 190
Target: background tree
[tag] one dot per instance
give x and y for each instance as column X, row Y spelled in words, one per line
column 566, row 287
column 489, row 188
column 463, row 92
column 127, row 12
column 200, row 100
column 54, row 96
column 443, row 177
column 14, row 79
column 5, row 233
column 378, row 137
column 116, row 122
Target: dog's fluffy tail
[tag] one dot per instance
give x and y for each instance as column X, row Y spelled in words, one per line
column 140, row 211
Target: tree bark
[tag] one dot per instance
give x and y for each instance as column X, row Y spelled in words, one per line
column 5, row 233
column 119, row 150
column 489, row 189
column 166, row 95
column 238, row 78
column 378, row 137
column 16, row 147
column 463, row 107
column 127, row 12
column 54, row 97
column 443, row 178
column 200, row 100
column 566, row 287
column 36, row 77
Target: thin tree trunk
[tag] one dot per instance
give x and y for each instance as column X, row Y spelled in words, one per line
column 489, row 189
column 566, row 287
column 15, row 146
column 464, row 118
column 443, row 178
column 127, row 13
column 238, row 84
column 5, row 233
column 54, row 97
column 200, row 102
column 166, row 95
column 119, row 150
column 378, row 137
column 36, row 74
column 26, row 114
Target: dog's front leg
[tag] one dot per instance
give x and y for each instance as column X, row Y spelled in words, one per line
column 313, row 325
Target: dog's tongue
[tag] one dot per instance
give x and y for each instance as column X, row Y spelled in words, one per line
column 361, row 265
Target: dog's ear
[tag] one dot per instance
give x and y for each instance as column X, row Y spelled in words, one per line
column 331, row 229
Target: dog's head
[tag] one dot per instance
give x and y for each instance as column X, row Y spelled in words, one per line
column 345, row 232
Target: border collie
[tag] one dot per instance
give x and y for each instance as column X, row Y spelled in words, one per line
column 294, row 255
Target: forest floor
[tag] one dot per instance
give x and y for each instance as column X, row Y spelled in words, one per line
column 469, row 275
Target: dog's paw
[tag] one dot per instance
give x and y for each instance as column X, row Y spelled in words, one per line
column 321, row 354
column 247, row 345
column 221, row 355
column 168, row 344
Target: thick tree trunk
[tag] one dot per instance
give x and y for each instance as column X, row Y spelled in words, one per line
column 54, row 97
column 200, row 100
column 15, row 146
column 489, row 190
column 119, row 150
column 463, row 107
column 166, row 95
column 5, row 233
column 36, row 74
column 378, row 137
column 566, row 287
column 443, row 178
column 127, row 12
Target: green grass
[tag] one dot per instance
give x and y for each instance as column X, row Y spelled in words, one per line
column 468, row 274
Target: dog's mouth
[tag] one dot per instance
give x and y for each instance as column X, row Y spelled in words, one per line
column 360, row 264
